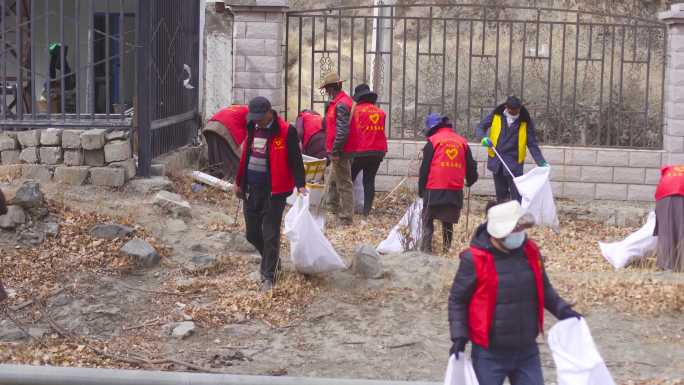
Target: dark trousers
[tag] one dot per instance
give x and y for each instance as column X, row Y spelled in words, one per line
column 263, row 217
column 522, row 367
column 505, row 187
column 429, row 230
column 369, row 165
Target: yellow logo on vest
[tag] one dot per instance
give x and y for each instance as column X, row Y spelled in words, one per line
column 451, row 152
column 278, row 144
column 374, row 118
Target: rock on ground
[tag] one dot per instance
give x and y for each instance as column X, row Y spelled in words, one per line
column 183, row 330
column 147, row 186
column 111, row 231
column 203, row 262
column 172, row 204
column 142, row 252
column 235, row 242
column 10, row 332
column 29, row 195
column 367, row 262
column 15, row 216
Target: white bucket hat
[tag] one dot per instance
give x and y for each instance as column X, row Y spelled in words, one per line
column 503, row 218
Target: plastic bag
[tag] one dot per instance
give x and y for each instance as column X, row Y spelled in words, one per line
column 460, row 371
column 394, row 243
column 358, row 193
column 310, row 250
column 537, row 197
column 636, row 246
column 577, row 360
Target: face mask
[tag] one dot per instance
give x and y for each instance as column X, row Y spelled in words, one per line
column 511, row 115
column 514, row 240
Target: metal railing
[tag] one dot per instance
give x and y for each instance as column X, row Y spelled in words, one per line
column 588, row 79
column 67, row 63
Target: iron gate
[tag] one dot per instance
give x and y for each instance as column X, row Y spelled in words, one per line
column 168, row 63
column 587, row 78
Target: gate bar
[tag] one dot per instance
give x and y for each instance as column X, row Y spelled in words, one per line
column 50, row 375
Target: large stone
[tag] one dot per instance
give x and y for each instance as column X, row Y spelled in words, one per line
column 10, row 332
column 147, row 186
column 51, row 137
column 30, row 155
column 183, row 330
column 203, row 262
column 73, row 157
column 128, row 166
column 71, row 139
column 94, row 158
column 37, row 172
column 75, row 176
column 93, row 139
column 29, row 138
column 235, row 242
column 15, row 216
column 117, row 151
column 108, row 176
column 29, row 195
column 367, row 262
column 111, row 231
column 116, row 135
column 172, row 204
column 7, row 143
column 10, row 157
column 51, row 155
column 142, row 252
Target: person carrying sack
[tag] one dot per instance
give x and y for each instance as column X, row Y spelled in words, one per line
column 670, row 218
column 447, row 167
column 367, row 128
column 339, row 146
column 270, row 167
column 309, row 126
column 510, row 130
column 498, row 298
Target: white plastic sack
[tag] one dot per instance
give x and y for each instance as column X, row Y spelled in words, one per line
column 636, row 246
column 460, row 371
column 577, row 360
column 310, row 250
column 537, row 197
column 358, row 193
column 412, row 218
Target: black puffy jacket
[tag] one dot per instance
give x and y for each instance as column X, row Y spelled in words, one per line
column 515, row 323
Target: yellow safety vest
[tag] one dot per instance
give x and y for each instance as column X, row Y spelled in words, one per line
column 495, row 131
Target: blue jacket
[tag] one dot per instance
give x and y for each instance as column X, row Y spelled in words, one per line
column 507, row 145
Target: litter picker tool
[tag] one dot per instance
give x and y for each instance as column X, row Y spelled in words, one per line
column 467, row 213
column 502, row 162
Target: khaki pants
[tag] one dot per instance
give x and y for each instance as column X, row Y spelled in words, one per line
column 340, row 189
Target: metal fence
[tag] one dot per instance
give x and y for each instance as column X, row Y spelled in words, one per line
column 587, row 78
column 67, row 63
column 102, row 63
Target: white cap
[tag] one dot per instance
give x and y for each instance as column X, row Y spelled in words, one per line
column 502, row 218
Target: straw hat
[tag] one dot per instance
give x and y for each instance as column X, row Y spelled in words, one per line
column 331, row 78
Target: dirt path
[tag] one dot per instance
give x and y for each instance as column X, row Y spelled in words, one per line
column 333, row 326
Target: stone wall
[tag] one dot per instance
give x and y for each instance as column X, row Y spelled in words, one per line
column 576, row 172
column 68, row 156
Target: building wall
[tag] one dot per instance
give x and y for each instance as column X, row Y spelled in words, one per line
column 218, row 60
column 576, row 172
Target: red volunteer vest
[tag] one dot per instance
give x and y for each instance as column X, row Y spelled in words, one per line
column 483, row 302
column 234, row 119
column 282, row 180
column 330, row 122
column 368, row 128
column 313, row 123
column 447, row 170
column 671, row 182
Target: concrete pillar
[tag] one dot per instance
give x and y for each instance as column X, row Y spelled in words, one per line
column 673, row 139
column 258, row 53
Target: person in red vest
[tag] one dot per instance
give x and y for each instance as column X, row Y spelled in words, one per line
column 270, row 167
column 339, row 144
column 224, row 133
column 498, row 298
column 368, row 130
column 670, row 218
column 447, row 167
column 310, row 130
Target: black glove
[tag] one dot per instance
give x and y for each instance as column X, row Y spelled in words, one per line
column 569, row 313
column 458, row 346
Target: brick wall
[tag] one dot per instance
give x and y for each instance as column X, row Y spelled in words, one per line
column 578, row 173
